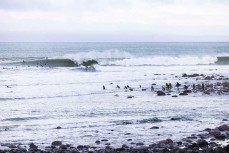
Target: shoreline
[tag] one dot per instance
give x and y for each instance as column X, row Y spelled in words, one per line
column 211, row 140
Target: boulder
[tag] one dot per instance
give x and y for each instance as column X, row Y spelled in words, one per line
column 202, row 143
column 160, row 93
column 154, row 127
column 223, row 128
column 183, row 94
column 56, row 143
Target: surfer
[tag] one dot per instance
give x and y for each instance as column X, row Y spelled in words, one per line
column 118, row 87
column 178, row 85
column 152, row 88
column 185, row 87
column 202, row 86
column 104, row 87
column 194, row 86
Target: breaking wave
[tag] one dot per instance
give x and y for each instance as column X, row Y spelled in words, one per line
column 121, row 58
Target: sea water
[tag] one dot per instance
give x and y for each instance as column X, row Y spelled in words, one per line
column 43, row 86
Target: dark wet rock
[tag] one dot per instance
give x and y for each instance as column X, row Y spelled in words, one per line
column 120, row 149
column 130, row 96
column 12, row 146
column 225, row 119
column 97, row 142
column 206, row 92
column 32, row 145
column 193, row 75
column 192, row 137
column 174, row 96
column 56, row 143
column 64, row 147
column 58, row 127
column 129, row 139
column 226, row 148
column 167, row 141
column 183, row 94
column 202, row 143
column 139, row 144
column 154, row 127
column 80, row 146
column 220, row 137
column 187, row 91
column 223, row 128
column 104, row 140
column 175, row 118
column 184, row 75
column 160, row 93
column 207, row 129
column 208, row 78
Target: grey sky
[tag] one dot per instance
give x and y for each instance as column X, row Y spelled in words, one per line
column 114, row 20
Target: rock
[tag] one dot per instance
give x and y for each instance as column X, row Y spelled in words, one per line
column 80, row 147
column 202, row 143
column 32, row 145
column 97, row 142
column 139, row 144
column 64, row 147
column 207, row 129
column 183, row 94
column 167, row 141
column 129, row 96
column 160, row 93
column 175, row 118
column 154, row 127
column 56, row 143
column 184, row 75
column 187, row 91
column 58, row 127
column 220, row 137
column 223, row 128
column 207, row 78
column 206, row 92
column 120, row 149
column 225, row 119
column 193, row 75
column 104, row 140
column 174, row 96
column 226, row 148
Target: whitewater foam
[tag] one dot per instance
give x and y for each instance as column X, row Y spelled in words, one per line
column 122, row 58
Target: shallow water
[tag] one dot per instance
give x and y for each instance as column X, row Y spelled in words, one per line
column 38, row 100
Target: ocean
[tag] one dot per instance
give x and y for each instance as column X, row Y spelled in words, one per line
column 44, row 85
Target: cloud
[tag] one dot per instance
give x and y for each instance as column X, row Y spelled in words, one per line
column 172, row 18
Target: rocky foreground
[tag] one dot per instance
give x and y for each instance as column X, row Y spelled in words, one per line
column 210, row 141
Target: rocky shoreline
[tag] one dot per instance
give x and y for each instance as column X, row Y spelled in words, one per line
column 210, row 141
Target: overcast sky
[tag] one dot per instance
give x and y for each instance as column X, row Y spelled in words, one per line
column 114, row 20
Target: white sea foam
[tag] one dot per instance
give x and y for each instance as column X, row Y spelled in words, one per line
column 108, row 54
column 122, row 58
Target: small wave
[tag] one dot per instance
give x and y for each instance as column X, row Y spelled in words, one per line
column 51, row 63
column 20, row 118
